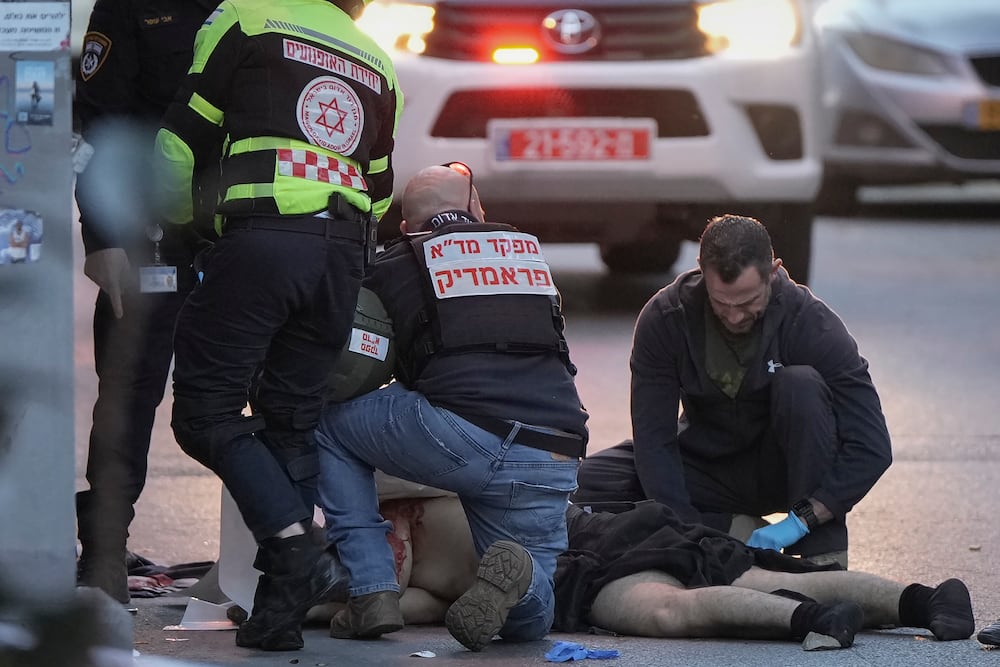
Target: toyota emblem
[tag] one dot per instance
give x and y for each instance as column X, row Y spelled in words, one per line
column 571, row 30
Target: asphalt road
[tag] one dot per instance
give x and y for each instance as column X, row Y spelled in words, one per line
column 917, row 286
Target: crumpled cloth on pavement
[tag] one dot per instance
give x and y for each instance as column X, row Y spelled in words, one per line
column 566, row 651
column 155, row 585
column 146, row 579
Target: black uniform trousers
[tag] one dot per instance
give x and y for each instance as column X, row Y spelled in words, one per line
column 264, row 327
column 787, row 464
column 132, row 359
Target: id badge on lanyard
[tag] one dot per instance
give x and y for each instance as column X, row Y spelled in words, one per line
column 157, row 277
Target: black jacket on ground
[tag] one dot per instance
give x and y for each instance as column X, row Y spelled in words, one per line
column 604, row 547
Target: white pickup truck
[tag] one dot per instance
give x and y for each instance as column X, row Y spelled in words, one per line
column 626, row 123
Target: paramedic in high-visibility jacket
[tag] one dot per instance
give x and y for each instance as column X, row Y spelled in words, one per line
column 309, row 106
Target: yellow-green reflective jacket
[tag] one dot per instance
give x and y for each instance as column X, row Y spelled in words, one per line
column 297, row 103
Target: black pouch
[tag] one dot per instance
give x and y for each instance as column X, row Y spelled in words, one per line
column 340, row 209
column 371, row 240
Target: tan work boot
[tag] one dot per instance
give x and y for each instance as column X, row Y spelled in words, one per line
column 368, row 616
column 503, row 578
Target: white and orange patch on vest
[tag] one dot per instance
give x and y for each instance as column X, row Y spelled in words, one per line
column 96, row 47
column 310, row 165
column 330, row 114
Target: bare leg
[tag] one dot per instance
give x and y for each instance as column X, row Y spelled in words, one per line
column 654, row 604
column 879, row 597
column 420, row 607
column 444, row 559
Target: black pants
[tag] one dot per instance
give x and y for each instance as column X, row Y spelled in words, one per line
column 265, row 326
column 787, row 464
column 132, row 359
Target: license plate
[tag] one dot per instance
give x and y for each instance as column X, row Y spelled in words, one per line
column 983, row 115
column 544, row 141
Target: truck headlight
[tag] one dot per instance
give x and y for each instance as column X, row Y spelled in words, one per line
column 756, row 28
column 398, row 26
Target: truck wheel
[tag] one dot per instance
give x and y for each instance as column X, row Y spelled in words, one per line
column 642, row 256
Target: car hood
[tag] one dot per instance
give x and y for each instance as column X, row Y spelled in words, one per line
column 963, row 25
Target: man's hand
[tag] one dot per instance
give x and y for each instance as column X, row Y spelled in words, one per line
column 109, row 269
column 779, row 535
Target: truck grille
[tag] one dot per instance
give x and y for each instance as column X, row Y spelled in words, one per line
column 988, row 69
column 466, row 113
column 470, row 31
column 966, row 143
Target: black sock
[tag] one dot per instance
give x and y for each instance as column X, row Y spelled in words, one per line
column 803, row 619
column 945, row 610
column 840, row 620
column 914, row 606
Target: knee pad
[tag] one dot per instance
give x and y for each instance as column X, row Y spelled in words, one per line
column 192, row 441
column 202, row 428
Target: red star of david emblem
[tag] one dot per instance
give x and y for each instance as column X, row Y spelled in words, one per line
column 332, row 108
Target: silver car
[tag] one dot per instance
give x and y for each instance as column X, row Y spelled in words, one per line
column 911, row 93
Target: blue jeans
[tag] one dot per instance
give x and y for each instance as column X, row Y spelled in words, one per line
column 509, row 491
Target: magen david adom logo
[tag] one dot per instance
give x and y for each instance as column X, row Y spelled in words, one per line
column 331, row 115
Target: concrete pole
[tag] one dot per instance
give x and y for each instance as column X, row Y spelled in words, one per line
column 37, row 535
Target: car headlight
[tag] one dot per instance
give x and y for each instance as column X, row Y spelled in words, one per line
column 750, row 27
column 398, row 26
column 888, row 54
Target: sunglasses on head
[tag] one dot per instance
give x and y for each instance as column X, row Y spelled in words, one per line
column 465, row 170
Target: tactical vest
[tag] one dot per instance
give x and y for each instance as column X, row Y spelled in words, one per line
column 487, row 288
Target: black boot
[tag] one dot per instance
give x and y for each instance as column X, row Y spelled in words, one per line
column 298, row 574
column 103, row 548
column 340, row 591
column 253, row 632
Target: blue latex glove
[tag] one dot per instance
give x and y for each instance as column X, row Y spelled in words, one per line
column 779, row 535
column 566, row 651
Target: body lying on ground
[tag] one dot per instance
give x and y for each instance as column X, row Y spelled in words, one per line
column 644, row 572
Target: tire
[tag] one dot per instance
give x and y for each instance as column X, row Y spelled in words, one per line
column 643, row 256
column 791, row 227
